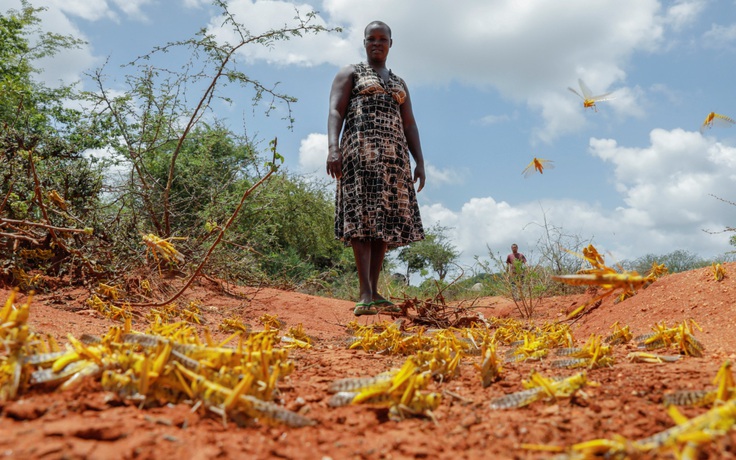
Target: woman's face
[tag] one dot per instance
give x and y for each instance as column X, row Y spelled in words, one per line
column 377, row 42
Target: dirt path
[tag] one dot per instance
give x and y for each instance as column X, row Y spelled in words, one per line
column 90, row 423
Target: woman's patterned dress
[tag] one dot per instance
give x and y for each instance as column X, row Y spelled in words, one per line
column 375, row 197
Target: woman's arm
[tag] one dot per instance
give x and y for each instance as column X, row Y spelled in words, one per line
column 342, row 86
column 412, row 139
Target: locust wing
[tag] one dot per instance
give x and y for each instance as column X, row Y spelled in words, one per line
column 589, row 94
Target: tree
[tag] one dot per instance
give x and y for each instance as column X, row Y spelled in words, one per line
column 434, row 251
column 676, row 261
column 155, row 115
column 47, row 183
column 185, row 172
column 558, row 249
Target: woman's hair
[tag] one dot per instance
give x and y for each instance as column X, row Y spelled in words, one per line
column 377, row 24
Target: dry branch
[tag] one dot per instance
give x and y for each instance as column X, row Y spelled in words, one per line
column 247, row 193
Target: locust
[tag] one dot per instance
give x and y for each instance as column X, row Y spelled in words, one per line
column 539, row 165
column 163, row 247
column 715, row 119
column 620, row 335
column 422, row 404
column 441, row 362
column 54, row 197
column 532, row 348
column 223, row 400
column 167, row 363
column 724, row 391
column 605, row 277
column 235, row 325
column 398, row 390
column 616, row 448
column 589, row 100
column 719, row 272
column 684, row 439
column 643, row 357
column 546, row 387
column 296, row 337
column 715, row 422
column 592, row 355
column 680, row 336
column 355, row 385
column 489, row 368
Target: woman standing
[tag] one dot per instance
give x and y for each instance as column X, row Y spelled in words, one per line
column 376, row 205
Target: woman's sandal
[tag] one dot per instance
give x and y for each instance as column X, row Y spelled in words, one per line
column 387, row 306
column 362, row 308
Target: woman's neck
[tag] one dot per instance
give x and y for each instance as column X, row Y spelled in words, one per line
column 377, row 65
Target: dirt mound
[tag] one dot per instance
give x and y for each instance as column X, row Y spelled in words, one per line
column 88, row 422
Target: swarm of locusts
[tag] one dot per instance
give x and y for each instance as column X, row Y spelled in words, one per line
column 168, row 363
column 608, row 279
column 680, row 336
column 236, row 379
column 401, row 390
column 685, row 439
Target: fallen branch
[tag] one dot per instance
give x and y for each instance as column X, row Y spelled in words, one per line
column 16, row 236
column 42, row 225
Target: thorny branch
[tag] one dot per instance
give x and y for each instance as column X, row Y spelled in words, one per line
column 274, row 167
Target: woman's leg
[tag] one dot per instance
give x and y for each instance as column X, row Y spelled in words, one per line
column 362, row 252
column 378, row 253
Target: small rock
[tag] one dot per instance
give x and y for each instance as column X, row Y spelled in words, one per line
column 297, row 404
column 21, row 410
column 469, row 420
column 102, row 431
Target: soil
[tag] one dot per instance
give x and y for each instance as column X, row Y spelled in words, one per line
column 90, row 423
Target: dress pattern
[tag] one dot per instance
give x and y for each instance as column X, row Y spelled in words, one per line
column 375, row 197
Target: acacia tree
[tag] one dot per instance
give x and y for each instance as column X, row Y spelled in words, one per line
column 435, row 251
column 180, row 171
column 149, row 116
column 49, row 190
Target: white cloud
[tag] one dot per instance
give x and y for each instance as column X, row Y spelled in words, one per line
column 258, row 17
column 554, row 42
column 671, row 180
column 99, row 9
column 313, row 154
column 674, row 97
column 133, row 8
column 90, row 11
column 528, row 52
column 439, row 176
column 719, row 36
column 668, row 189
column 684, row 13
column 493, row 119
column 67, row 65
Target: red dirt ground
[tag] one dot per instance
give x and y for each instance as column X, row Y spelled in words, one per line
column 87, row 423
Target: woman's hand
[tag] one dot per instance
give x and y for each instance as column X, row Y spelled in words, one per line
column 419, row 176
column 334, row 164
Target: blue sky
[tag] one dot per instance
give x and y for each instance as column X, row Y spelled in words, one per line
column 489, row 83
